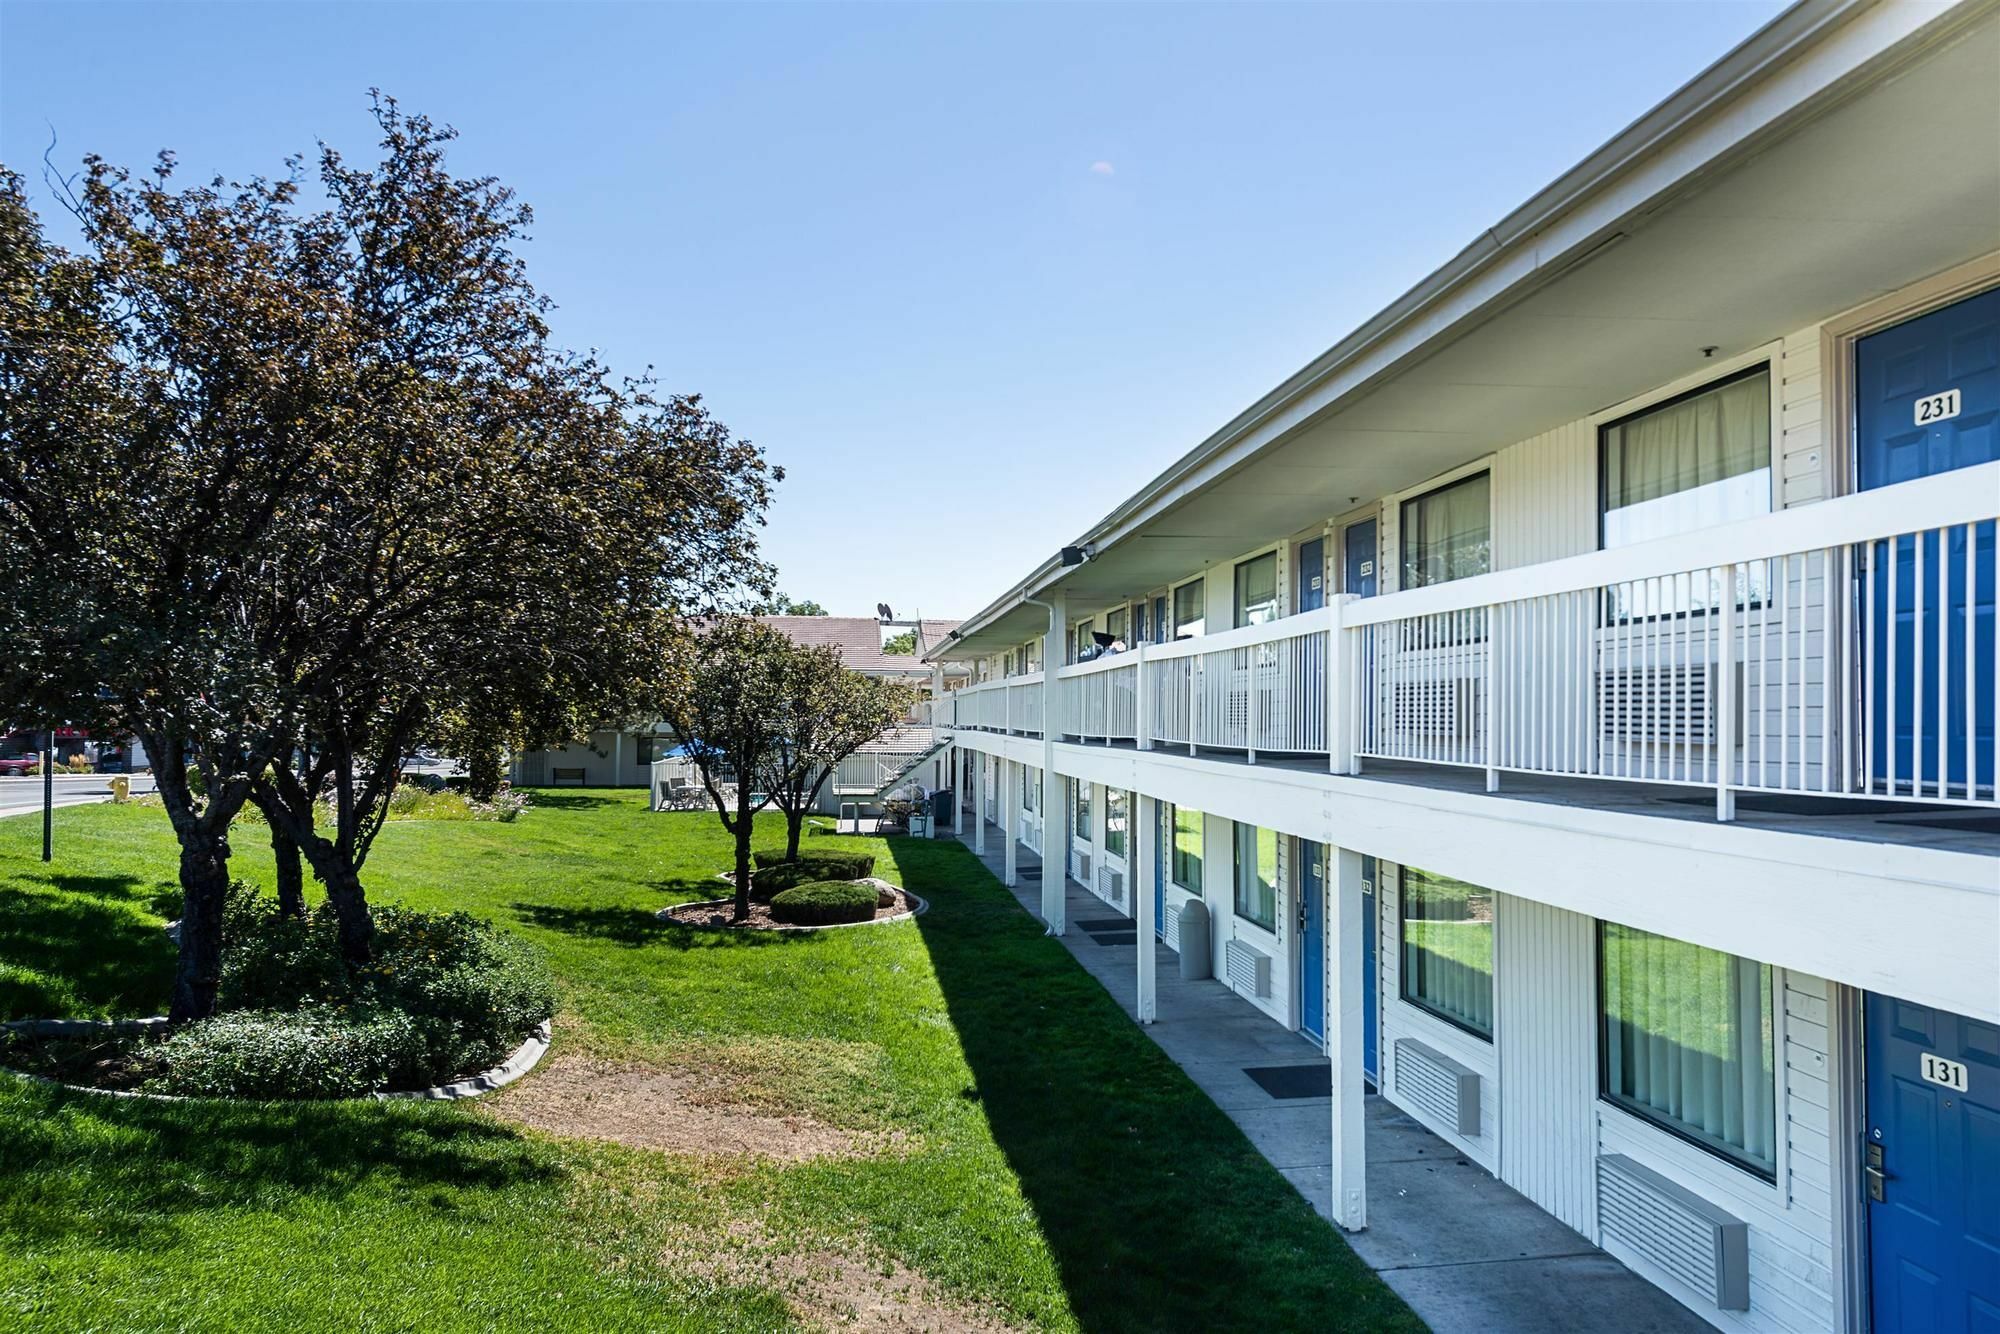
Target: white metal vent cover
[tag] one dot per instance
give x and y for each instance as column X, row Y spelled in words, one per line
column 1111, row 885
column 1696, row 1241
column 1082, row 868
column 1437, row 1084
column 1249, row 968
column 1172, row 923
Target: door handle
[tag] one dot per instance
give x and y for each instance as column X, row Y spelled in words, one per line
column 1878, row 1184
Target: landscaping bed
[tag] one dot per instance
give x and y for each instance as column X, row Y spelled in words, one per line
column 891, row 903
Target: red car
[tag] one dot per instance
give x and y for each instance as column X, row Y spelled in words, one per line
column 17, row 766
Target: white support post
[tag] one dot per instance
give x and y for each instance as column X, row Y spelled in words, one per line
column 1142, row 700
column 618, row 758
column 1344, row 981
column 1725, row 706
column 1340, row 687
column 1139, row 877
column 979, row 803
column 1055, row 888
column 1491, row 738
column 1010, row 822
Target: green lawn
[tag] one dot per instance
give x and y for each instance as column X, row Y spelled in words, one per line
column 1051, row 1167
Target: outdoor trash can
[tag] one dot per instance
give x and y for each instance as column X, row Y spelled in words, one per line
column 1193, row 942
column 944, row 805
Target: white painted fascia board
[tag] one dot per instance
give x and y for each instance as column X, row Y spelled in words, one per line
column 1815, row 52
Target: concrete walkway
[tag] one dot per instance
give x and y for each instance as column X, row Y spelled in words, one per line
column 1465, row 1251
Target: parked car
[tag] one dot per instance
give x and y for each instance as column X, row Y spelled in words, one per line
column 17, row 766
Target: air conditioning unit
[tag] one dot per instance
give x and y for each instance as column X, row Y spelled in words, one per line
column 1111, row 886
column 1672, row 705
column 1082, row 868
column 1248, row 967
column 1435, row 1083
column 1699, row 1243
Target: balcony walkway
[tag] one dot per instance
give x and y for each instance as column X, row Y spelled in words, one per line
column 1465, row 1251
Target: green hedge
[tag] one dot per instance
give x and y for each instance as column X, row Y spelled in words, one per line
column 825, row 903
column 829, row 863
column 316, row 1053
column 768, row 880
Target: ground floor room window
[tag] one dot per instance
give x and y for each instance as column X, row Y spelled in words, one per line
column 1031, row 783
column 1687, row 1042
column 1257, row 875
column 1187, row 848
column 1082, row 809
column 1114, row 821
column 1447, row 928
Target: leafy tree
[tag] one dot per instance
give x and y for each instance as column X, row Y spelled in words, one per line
column 780, row 605
column 830, row 713
column 905, row 643
column 731, row 715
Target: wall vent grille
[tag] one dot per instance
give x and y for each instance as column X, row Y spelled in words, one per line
column 1670, row 1226
column 1111, row 886
column 1082, row 868
column 1172, row 924
column 1435, row 1083
column 1249, row 968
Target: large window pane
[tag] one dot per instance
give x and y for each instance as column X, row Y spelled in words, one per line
column 1187, row 848
column 1189, row 603
column 1257, row 590
column 1688, row 1043
column 1114, row 624
column 1114, row 821
column 1448, row 949
column 1689, row 464
column 1448, row 534
column 1257, row 875
column 1031, row 787
column 1082, row 808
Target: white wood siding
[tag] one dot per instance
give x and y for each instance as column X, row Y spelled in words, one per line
column 1804, row 474
column 1544, row 980
column 1544, row 493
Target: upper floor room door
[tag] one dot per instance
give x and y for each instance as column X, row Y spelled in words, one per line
column 1358, row 542
column 1927, row 401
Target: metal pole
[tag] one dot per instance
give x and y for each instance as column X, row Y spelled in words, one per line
column 49, row 797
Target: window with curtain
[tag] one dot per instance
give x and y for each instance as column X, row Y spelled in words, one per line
column 1257, row 589
column 1688, row 1042
column 1031, row 787
column 1114, row 821
column 1692, row 463
column 1448, row 533
column 1189, row 603
column 1187, row 848
column 1257, row 875
column 1031, row 656
column 1447, row 928
column 1082, row 808
column 1114, row 624
column 1079, row 638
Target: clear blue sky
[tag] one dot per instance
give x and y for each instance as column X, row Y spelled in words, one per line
column 971, row 273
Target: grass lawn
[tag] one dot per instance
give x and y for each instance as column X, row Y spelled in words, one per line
column 1023, row 1155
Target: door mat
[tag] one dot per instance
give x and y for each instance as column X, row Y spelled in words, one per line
column 1976, row 824
column 1779, row 803
column 1292, row 1081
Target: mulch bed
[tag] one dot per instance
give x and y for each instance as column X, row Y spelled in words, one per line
column 719, row 914
column 118, row 1062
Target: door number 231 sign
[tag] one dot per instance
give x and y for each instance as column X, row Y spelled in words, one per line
column 1937, row 407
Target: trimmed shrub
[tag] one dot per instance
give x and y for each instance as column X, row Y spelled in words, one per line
column 316, row 1053
column 825, row 903
column 768, row 880
column 828, row 863
column 472, row 991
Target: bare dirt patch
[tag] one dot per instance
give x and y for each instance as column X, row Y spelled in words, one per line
column 669, row 1110
column 891, row 902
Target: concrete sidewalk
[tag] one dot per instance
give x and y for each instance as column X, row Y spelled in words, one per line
column 1467, row 1252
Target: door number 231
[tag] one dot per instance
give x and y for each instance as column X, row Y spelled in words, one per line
column 1937, row 407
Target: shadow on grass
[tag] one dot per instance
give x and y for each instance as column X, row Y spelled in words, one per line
column 549, row 799
column 96, row 953
column 1159, row 1213
column 636, row 927
column 120, row 1172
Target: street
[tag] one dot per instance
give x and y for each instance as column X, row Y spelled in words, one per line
column 19, row 796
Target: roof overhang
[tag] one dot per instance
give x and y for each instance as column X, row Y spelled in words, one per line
column 1780, row 186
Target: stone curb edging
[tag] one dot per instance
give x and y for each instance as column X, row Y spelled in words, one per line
column 525, row 1058
column 923, row 906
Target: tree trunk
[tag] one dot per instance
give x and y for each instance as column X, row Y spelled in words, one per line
column 743, row 831
column 291, row 872
column 795, row 824
column 350, row 908
column 482, row 770
column 204, row 881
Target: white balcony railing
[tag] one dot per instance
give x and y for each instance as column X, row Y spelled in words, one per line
column 1839, row 649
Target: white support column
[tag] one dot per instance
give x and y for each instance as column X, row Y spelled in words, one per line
column 1142, row 699
column 1344, row 980
column 1146, row 817
column 1010, row 822
column 979, row 803
column 1055, row 894
column 1340, row 687
column 618, row 758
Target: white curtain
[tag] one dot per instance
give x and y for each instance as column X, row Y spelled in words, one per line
column 1448, row 533
column 1688, row 1041
column 1447, row 929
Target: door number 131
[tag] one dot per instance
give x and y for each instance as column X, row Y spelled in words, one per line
column 1938, row 1070
column 1937, row 407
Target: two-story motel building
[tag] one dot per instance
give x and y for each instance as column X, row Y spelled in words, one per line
column 1573, row 695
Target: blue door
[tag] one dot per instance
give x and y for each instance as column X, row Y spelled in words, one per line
column 1370, row 994
column 1163, row 848
column 1927, row 400
column 1358, row 551
column 1312, row 939
column 1160, row 633
column 1311, row 592
column 1933, row 1168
